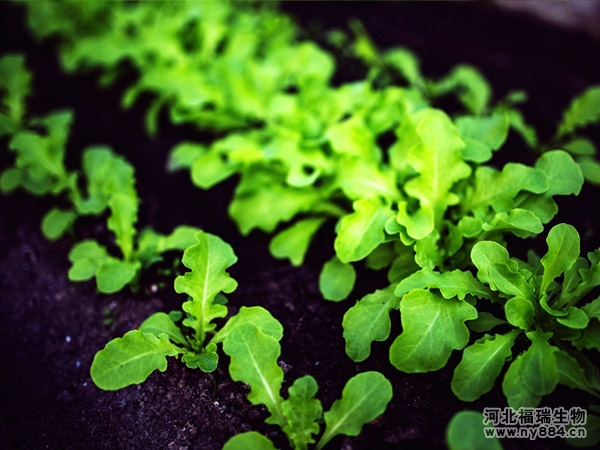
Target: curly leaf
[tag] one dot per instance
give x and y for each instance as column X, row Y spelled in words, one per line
column 360, row 232
column 368, row 321
column 364, row 398
column 432, row 327
column 456, row 283
column 481, row 364
column 15, row 86
column 583, row 110
column 301, row 411
column 131, row 359
column 208, row 261
column 430, row 144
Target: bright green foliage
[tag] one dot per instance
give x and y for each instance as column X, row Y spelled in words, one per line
column 15, row 86
column 254, row 355
column 337, row 279
column 105, row 182
column 302, row 411
column 432, row 327
column 466, row 432
column 364, row 398
column 583, row 112
column 540, row 301
column 190, row 334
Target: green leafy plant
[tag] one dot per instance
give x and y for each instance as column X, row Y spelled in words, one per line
column 105, row 182
column 254, row 355
column 190, row 334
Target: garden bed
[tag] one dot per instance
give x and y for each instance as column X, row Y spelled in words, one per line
column 52, row 327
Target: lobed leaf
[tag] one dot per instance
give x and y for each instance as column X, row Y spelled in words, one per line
column 481, row 364
column 367, row 321
column 207, row 260
column 301, row 411
column 131, row 359
column 456, row 283
column 360, row 232
column 432, row 327
column 583, row 110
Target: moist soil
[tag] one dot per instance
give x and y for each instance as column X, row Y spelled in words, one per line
column 51, row 328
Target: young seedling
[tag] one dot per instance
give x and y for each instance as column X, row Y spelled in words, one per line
column 253, row 360
column 189, row 334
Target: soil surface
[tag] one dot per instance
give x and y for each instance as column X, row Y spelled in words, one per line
column 50, row 328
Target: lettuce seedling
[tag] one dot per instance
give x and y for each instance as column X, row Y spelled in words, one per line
column 106, row 182
column 189, row 334
column 253, row 360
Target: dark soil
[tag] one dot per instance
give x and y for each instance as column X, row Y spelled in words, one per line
column 50, row 328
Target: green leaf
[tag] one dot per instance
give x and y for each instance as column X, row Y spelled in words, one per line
column 254, row 361
column 485, row 322
column 364, row 398
column 429, row 143
column 131, row 359
column 570, row 373
column 481, row 364
column 466, row 431
column 15, row 87
column 486, row 254
column 336, row 280
column 583, row 110
column 515, row 390
column 590, row 337
column 499, row 189
column 114, row 274
column 563, row 251
column 206, row 360
column 293, row 242
column 152, row 244
column 250, row 440
column 87, row 256
column 367, row 321
column 184, row 154
column 432, row 327
column 301, row 411
column 159, row 323
column 471, row 87
column 255, row 315
column 89, row 259
column 56, row 222
column 592, row 437
column 509, row 282
column 539, row 372
column 520, row 313
column 208, row 261
column 456, row 283
column 482, row 135
column 576, row 319
column 262, row 201
column 360, row 232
